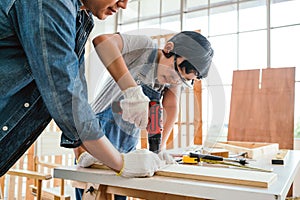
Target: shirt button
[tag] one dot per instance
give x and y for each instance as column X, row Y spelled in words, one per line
column 138, row 82
column 5, row 128
column 26, row 105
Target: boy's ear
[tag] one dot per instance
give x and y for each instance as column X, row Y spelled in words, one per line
column 169, row 47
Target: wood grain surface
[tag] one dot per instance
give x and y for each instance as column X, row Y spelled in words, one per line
column 221, row 175
column 262, row 106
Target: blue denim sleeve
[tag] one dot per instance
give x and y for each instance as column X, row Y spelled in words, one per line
column 47, row 31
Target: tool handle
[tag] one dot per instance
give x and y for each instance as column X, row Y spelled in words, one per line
column 210, row 157
column 205, row 156
column 155, row 124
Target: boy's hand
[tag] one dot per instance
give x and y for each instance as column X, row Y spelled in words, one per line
column 135, row 107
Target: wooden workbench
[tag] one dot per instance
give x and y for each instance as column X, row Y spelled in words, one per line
column 159, row 187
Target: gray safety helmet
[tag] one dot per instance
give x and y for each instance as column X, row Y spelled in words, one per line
column 195, row 48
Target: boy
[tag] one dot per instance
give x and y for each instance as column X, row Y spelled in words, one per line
column 159, row 72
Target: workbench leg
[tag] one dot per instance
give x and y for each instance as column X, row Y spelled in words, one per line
column 39, row 190
column 102, row 193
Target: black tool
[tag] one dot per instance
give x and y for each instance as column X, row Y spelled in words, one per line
column 90, row 190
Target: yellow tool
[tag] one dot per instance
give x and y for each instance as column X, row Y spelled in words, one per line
column 198, row 157
column 186, row 159
column 189, row 160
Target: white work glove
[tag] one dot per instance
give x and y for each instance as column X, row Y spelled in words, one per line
column 165, row 156
column 140, row 163
column 135, row 106
column 85, row 160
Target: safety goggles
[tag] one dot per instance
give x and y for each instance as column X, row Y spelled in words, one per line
column 189, row 68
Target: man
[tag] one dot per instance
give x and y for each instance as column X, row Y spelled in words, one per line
column 160, row 73
column 42, row 77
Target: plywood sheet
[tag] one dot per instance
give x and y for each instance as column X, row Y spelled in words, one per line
column 221, row 175
column 263, row 111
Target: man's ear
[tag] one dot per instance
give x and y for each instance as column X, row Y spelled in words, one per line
column 169, row 47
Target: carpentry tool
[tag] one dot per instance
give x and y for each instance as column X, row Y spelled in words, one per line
column 195, row 158
column 280, row 157
column 237, row 165
column 188, row 160
column 155, row 123
column 200, row 156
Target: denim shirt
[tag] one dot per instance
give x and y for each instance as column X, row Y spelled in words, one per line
column 42, row 71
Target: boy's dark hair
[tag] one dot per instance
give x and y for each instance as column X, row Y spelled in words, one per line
column 195, row 48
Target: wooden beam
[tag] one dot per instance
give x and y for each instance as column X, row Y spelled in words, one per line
column 29, row 174
column 198, row 112
column 30, row 166
column 144, row 139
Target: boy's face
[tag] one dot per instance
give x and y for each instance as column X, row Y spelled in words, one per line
column 104, row 8
column 166, row 73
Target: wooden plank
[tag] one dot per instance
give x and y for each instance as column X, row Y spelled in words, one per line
column 217, row 152
column 57, row 160
column 179, row 124
column 12, row 187
column 198, row 112
column 263, row 112
column 221, row 175
column 2, row 180
column 187, row 115
column 102, row 194
column 254, row 150
column 144, row 139
column 30, row 166
column 170, row 141
column 29, row 174
column 50, row 193
column 20, row 179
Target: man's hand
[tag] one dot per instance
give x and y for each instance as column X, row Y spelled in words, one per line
column 135, row 106
column 140, row 163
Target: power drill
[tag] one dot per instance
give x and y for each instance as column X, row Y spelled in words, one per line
column 155, row 123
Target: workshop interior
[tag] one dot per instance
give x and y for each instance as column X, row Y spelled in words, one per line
column 237, row 130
